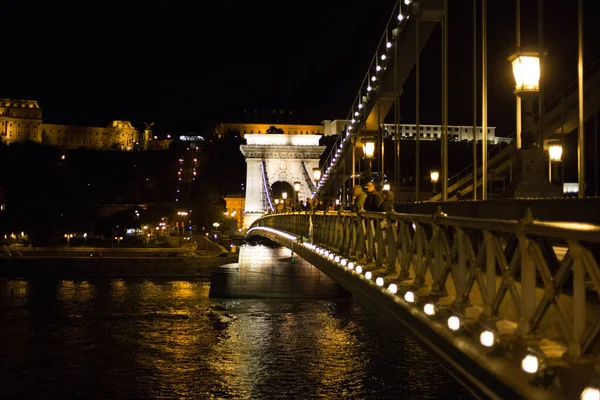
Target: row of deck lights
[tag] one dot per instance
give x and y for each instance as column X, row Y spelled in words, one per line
column 532, row 363
column 357, row 109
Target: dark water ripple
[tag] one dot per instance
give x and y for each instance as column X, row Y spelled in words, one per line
column 158, row 339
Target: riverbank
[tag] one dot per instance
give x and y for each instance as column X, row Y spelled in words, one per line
column 112, row 263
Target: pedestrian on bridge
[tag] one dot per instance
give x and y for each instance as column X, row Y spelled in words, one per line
column 388, row 200
column 374, row 202
column 359, row 198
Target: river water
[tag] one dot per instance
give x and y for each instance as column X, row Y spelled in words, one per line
column 109, row 338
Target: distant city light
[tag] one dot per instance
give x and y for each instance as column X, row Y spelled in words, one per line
column 190, row 138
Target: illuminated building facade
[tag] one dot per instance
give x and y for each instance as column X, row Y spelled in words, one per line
column 21, row 121
column 234, row 208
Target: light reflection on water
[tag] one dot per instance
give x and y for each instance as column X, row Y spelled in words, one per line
column 159, row 339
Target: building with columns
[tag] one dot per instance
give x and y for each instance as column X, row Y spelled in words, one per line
column 457, row 133
column 21, row 121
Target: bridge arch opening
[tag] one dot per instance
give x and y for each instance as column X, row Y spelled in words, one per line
column 280, row 187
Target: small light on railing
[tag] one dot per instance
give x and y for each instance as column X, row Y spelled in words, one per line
column 400, row 17
column 360, row 105
column 359, row 269
column 331, row 256
column 379, row 281
column 343, row 262
column 409, row 297
column 337, row 259
column 487, row 338
column 350, row 265
column 429, row 309
column 590, row 393
column 530, row 364
column 388, row 44
column 353, row 120
column 373, row 78
column 369, row 88
column 407, row 2
column 368, row 275
column 393, row 288
column 383, row 57
column 326, row 252
column 454, row 323
column 378, row 68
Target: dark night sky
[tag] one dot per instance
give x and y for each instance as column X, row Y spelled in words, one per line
column 185, row 65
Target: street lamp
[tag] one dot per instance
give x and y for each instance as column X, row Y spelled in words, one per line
column 84, row 239
column 316, row 174
column 528, row 179
column 526, row 71
column 297, row 186
column 434, row 175
column 368, row 148
column 283, row 200
column 555, row 150
column 369, row 154
column 555, row 154
column 118, row 239
column 182, row 214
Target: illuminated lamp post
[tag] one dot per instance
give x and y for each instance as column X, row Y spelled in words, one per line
column 434, row 175
column 182, row 214
column 554, row 155
column 283, row 200
column 84, row 239
column 368, row 154
column 316, row 175
column 297, row 186
column 528, row 180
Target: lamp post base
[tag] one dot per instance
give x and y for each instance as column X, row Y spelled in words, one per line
column 529, row 179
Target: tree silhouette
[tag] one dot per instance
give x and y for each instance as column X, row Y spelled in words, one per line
column 274, row 130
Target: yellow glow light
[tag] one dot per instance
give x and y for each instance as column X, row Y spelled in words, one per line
column 555, row 150
column 316, row 174
column 526, row 70
column 368, row 148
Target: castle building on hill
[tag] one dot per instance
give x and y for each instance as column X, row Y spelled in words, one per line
column 21, row 120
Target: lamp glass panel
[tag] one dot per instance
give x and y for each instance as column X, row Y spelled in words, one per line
column 526, row 70
column 555, row 151
column 369, row 149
